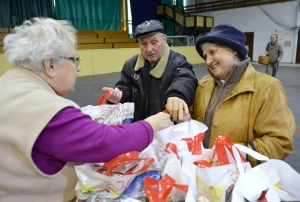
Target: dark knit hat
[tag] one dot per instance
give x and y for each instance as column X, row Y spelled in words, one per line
column 148, row 28
column 227, row 35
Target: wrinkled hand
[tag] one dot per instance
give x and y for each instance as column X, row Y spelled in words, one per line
column 159, row 121
column 176, row 108
column 114, row 96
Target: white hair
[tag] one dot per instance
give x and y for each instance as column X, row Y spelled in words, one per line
column 39, row 39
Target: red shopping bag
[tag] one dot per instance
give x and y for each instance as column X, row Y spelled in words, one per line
column 159, row 190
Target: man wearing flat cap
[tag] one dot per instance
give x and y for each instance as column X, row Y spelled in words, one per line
column 157, row 78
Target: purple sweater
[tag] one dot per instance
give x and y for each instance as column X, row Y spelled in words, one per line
column 72, row 136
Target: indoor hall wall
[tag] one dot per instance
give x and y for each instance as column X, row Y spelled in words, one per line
column 258, row 19
column 103, row 61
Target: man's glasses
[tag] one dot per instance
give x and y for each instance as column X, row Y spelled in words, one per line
column 75, row 60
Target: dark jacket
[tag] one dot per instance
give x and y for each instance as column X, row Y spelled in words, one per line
column 149, row 88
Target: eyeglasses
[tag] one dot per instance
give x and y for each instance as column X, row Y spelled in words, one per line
column 75, row 60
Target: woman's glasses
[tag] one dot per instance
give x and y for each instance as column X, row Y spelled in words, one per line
column 75, row 60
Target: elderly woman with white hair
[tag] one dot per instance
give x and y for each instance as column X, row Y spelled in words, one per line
column 41, row 132
column 237, row 101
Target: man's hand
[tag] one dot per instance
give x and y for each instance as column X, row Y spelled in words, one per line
column 186, row 117
column 114, row 96
column 177, row 108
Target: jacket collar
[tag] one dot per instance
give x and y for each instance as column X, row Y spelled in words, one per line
column 246, row 83
column 159, row 69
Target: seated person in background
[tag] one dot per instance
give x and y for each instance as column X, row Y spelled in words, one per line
column 235, row 100
column 41, row 132
column 157, row 78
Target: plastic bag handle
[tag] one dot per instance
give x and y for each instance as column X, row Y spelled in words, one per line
column 149, row 161
column 221, row 143
column 126, row 158
column 194, row 145
column 182, row 187
column 103, row 99
column 166, row 111
column 158, row 191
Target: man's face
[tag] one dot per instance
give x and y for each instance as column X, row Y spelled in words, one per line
column 153, row 47
column 273, row 38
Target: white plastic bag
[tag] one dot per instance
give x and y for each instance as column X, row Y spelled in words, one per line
column 216, row 177
column 169, row 149
column 111, row 114
column 109, row 180
column 263, row 177
column 175, row 135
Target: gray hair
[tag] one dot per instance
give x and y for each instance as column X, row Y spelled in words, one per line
column 275, row 36
column 39, row 39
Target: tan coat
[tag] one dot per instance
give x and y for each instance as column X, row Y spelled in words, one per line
column 256, row 110
column 27, row 105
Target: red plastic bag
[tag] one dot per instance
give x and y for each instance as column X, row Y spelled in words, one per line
column 103, row 99
column 126, row 164
column 159, row 190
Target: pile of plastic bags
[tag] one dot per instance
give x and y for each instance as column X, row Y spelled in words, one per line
column 176, row 167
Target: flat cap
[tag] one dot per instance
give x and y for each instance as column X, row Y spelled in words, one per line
column 148, row 28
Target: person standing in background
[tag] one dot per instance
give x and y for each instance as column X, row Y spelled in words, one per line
column 275, row 52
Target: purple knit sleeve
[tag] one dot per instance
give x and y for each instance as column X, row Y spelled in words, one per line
column 72, row 136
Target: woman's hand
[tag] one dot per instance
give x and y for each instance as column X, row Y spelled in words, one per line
column 159, row 121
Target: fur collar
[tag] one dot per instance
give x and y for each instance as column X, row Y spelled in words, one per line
column 159, row 69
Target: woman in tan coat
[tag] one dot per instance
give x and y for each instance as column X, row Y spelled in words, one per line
column 235, row 100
